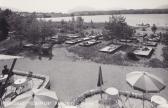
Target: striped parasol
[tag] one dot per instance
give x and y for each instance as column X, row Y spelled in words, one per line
column 145, row 82
column 37, row 98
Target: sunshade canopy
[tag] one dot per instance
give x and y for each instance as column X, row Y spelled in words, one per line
column 8, row 57
column 145, row 81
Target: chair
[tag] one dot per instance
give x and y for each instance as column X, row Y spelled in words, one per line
column 29, row 79
column 29, row 76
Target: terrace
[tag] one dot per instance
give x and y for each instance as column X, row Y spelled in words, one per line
column 12, row 91
column 110, row 48
column 143, row 51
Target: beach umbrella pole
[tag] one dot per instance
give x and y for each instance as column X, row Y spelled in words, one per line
column 101, row 92
column 143, row 100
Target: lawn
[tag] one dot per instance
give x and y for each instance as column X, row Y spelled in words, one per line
column 120, row 57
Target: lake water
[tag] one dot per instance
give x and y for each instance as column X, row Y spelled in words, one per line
column 131, row 19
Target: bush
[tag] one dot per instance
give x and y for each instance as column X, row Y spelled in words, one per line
column 132, row 56
column 165, row 56
column 155, row 63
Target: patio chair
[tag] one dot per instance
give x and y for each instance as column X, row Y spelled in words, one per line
column 29, row 79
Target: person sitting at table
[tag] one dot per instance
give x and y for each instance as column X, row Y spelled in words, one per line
column 5, row 71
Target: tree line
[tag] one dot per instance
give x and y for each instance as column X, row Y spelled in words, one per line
column 130, row 11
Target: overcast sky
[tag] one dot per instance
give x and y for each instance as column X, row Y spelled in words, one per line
column 66, row 5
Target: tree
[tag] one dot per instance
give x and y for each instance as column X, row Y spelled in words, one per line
column 154, row 28
column 4, row 28
column 79, row 24
column 92, row 24
column 117, row 28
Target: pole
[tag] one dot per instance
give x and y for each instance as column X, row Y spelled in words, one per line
column 13, row 64
column 101, row 91
column 143, row 100
column 1, row 103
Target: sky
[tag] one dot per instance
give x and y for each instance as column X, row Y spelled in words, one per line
column 68, row 5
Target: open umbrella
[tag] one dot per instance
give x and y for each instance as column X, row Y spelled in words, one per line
column 37, row 98
column 145, row 82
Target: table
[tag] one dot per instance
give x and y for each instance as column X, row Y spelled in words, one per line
column 158, row 100
column 19, row 82
column 3, row 78
column 113, row 94
column 112, row 91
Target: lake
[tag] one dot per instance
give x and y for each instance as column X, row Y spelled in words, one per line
column 131, row 19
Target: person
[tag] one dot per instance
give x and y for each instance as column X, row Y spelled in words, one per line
column 5, row 71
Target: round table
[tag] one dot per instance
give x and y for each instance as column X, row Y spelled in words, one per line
column 3, row 78
column 19, row 82
column 112, row 91
column 158, row 100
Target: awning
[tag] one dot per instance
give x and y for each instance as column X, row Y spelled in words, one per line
column 8, row 57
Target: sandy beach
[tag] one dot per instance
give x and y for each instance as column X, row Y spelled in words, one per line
column 71, row 76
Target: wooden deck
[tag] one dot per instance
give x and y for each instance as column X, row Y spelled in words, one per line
column 145, row 51
column 110, row 49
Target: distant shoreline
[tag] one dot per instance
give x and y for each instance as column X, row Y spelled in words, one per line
column 108, row 12
column 100, row 14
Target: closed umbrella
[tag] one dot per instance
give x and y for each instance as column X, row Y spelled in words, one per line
column 145, row 82
column 100, row 80
column 37, row 98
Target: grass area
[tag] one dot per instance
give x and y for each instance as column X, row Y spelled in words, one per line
column 121, row 57
column 92, row 53
column 10, row 46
